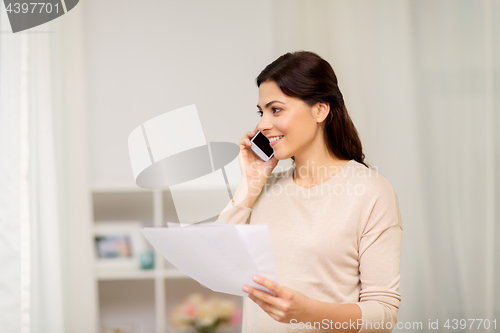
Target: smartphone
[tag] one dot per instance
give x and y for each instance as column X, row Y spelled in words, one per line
column 261, row 147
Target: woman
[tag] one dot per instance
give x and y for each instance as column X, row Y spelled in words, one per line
column 334, row 223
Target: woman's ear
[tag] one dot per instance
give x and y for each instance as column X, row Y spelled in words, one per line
column 322, row 111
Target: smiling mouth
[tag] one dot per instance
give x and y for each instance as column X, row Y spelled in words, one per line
column 275, row 139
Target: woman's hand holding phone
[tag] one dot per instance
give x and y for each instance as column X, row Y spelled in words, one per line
column 254, row 172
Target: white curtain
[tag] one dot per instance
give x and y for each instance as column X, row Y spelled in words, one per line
column 30, row 256
column 421, row 80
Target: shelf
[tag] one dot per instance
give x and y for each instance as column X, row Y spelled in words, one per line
column 128, row 304
column 136, row 274
column 174, row 273
column 125, row 274
column 124, row 206
column 140, row 300
column 118, row 189
column 133, row 189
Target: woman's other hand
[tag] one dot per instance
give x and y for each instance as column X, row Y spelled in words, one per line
column 288, row 304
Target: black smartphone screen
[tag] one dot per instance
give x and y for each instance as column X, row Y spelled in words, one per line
column 263, row 143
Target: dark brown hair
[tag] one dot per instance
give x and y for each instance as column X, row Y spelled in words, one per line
column 307, row 76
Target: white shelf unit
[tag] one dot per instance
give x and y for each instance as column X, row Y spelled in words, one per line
column 142, row 300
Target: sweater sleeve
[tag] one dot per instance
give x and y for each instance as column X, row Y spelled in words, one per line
column 234, row 214
column 379, row 263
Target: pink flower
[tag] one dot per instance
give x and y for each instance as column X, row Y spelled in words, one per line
column 190, row 311
column 236, row 317
column 198, row 310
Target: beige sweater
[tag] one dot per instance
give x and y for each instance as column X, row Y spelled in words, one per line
column 337, row 242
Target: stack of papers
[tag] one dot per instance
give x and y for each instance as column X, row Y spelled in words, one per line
column 220, row 257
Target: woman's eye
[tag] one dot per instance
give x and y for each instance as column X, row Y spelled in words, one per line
column 275, row 110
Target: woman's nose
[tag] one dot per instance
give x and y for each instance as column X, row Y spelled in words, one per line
column 264, row 124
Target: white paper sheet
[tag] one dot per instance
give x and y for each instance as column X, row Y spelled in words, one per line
column 220, row 257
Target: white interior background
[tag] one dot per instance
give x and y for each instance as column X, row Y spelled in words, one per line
column 421, row 80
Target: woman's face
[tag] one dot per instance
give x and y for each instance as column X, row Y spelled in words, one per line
column 288, row 122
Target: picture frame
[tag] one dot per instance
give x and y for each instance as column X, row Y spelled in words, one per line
column 118, row 244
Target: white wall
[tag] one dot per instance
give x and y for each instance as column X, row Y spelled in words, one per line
column 149, row 57
column 79, row 289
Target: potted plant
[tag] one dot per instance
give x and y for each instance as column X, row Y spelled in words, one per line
column 205, row 314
